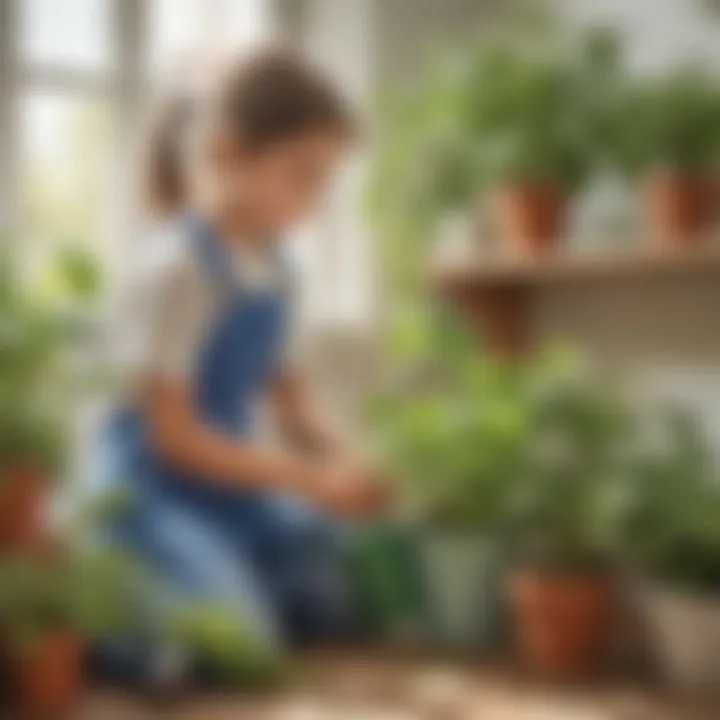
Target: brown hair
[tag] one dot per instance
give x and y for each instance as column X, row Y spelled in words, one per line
column 270, row 97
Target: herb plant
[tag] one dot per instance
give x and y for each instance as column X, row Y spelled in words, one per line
column 668, row 122
column 560, row 512
column 35, row 378
column 85, row 594
column 220, row 642
column 669, row 528
column 451, row 430
column 526, row 103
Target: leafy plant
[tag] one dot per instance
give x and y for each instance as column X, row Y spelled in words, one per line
column 525, row 103
column 453, row 437
column 34, row 374
column 69, row 589
column 221, row 643
column 427, row 342
column 560, row 511
column 82, row 593
column 669, row 121
column 421, row 169
column 669, row 524
column 525, row 116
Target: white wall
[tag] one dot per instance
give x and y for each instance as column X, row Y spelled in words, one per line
column 658, row 32
column 409, row 30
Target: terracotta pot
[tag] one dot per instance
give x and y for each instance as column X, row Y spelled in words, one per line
column 678, row 207
column 50, row 677
column 562, row 621
column 531, row 219
column 711, row 197
column 21, row 494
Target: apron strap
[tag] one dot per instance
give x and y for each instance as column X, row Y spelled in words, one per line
column 215, row 260
column 212, row 256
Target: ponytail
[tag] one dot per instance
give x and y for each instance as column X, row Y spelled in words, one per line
column 163, row 190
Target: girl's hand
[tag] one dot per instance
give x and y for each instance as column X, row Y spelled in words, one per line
column 348, row 492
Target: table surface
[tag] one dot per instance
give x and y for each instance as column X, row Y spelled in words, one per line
column 374, row 686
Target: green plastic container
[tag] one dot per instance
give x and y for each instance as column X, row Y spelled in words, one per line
column 387, row 579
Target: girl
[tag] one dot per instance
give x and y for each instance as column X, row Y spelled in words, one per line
column 217, row 517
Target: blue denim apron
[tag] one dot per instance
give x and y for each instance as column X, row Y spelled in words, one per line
column 270, row 557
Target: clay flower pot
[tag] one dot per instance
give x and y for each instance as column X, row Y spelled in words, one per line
column 21, row 495
column 685, row 630
column 678, row 207
column 50, row 676
column 531, row 219
column 561, row 621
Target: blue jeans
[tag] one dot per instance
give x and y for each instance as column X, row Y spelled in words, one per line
column 272, row 556
column 277, row 564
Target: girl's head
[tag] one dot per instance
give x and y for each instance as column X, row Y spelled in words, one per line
column 258, row 145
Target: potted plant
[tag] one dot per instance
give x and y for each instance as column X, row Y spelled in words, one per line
column 50, row 609
column 560, row 518
column 29, row 434
column 510, row 118
column 34, row 386
column 451, row 436
column 671, row 541
column 528, row 131
column 666, row 132
column 30, row 447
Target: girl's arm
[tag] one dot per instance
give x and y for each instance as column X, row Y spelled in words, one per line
column 182, row 440
column 302, row 420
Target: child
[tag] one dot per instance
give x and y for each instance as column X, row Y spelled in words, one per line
column 218, row 517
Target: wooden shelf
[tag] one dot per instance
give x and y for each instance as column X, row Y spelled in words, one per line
column 586, row 268
column 498, row 295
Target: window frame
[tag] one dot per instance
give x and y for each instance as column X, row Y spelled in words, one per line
column 122, row 84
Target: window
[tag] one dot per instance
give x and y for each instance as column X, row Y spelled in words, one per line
column 72, row 79
column 68, row 33
column 179, row 25
column 65, row 169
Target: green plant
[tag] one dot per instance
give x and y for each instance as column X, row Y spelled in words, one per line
column 524, row 111
column 31, row 436
column 667, row 122
column 531, row 448
column 560, row 511
column 524, row 103
column 669, row 527
column 426, row 342
column 35, row 378
column 67, row 589
column 84, row 594
column 453, row 435
column 222, row 644
column 421, row 168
